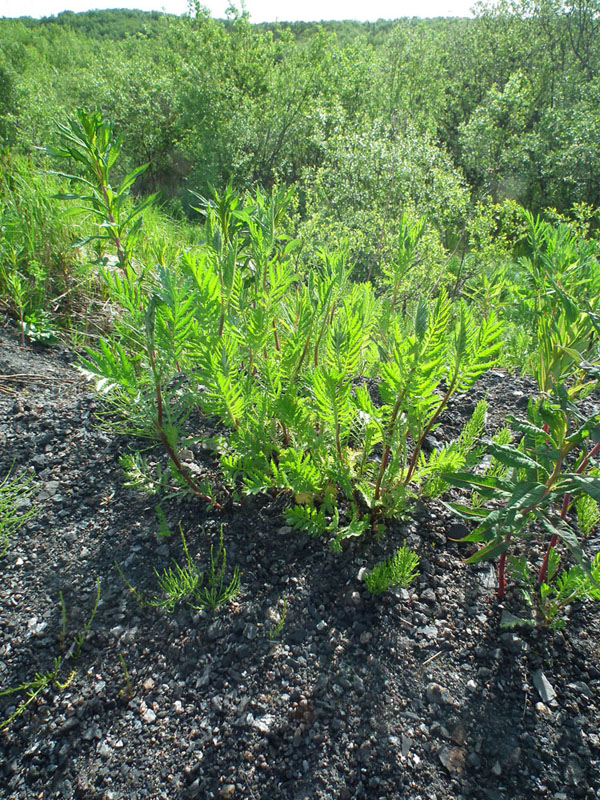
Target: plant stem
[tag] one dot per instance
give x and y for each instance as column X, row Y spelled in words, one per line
column 413, row 461
column 276, row 336
column 320, row 336
column 502, row 576
column 386, row 452
column 565, row 507
column 111, row 219
column 158, row 424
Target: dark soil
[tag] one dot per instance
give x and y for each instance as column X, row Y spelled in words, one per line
column 417, row 695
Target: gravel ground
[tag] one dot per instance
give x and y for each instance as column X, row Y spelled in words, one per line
column 418, row 695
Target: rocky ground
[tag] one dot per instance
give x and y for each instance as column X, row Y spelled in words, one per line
column 419, row 694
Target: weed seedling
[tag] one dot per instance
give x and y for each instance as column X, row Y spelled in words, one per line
column 128, row 690
column 399, row 570
column 12, row 495
column 44, row 680
column 278, row 626
column 187, row 584
column 551, row 598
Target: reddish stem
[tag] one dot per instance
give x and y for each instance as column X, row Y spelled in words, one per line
column 563, row 513
column 171, row 452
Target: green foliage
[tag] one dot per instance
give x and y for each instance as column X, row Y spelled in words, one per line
column 498, row 142
column 280, row 360
column 515, row 107
column 307, row 518
column 278, row 626
column 371, row 182
column 15, row 507
column 544, row 473
column 317, row 158
column 559, row 295
column 52, row 678
column 587, row 511
column 91, row 144
column 463, row 451
column 398, row 570
column 39, row 271
column 199, row 589
column 551, row 598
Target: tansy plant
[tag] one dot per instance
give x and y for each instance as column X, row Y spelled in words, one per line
column 319, row 390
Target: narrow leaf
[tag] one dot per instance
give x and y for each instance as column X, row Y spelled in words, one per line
column 489, row 552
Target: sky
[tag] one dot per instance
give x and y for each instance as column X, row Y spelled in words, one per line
column 259, row 10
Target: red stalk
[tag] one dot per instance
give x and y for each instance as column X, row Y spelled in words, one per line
column 563, row 513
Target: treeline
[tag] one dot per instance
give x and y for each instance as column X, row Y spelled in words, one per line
column 438, row 118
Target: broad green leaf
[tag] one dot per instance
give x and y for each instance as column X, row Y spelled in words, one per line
column 558, row 527
column 527, row 493
column 590, row 429
column 466, row 512
column 486, row 485
column 129, row 179
column 509, row 455
column 525, row 427
column 586, row 483
column 86, row 239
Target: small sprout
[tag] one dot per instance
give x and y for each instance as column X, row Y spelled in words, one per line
column 278, row 626
column 189, row 585
column 128, row 690
column 399, row 570
column 45, row 680
column 15, row 507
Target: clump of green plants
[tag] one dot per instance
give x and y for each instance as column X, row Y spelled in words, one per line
column 64, row 667
column 401, row 570
column 14, row 497
column 187, row 584
column 281, row 360
column 550, row 598
column 42, row 281
column 544, row 478
column 33, row 688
